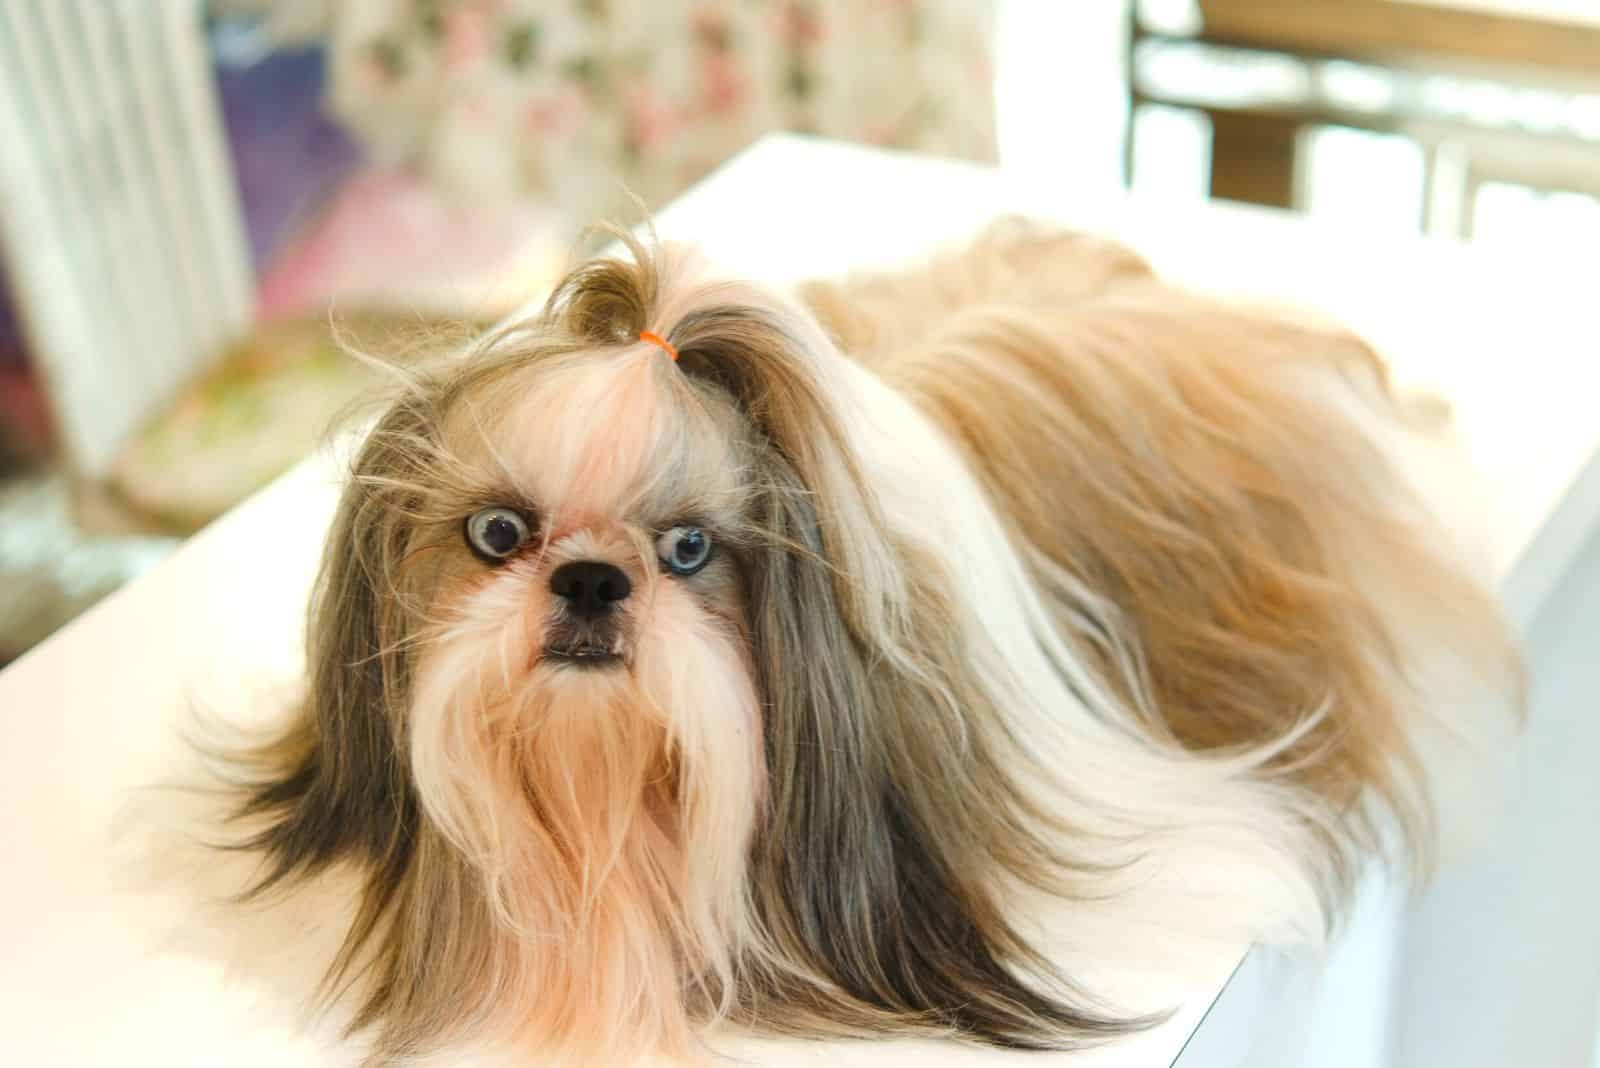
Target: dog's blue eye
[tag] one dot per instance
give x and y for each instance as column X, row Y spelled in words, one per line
column 495, row 533
column 684, row 550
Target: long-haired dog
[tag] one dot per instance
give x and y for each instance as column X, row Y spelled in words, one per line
column 885, row 659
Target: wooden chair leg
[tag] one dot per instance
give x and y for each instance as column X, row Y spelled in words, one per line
column 1253, row 158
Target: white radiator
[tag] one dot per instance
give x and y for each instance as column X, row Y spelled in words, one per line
column 119, row 217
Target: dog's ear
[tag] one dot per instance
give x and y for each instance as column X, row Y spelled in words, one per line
column 891, row 805
column 890, row 811
column 335, row 785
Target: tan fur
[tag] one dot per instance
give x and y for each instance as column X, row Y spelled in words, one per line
column 1154, row 447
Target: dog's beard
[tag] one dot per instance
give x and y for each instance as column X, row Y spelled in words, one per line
column 604, row 815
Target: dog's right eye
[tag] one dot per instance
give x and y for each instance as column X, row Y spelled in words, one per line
column 495, row 533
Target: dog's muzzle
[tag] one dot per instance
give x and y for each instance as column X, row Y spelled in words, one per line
column 589, row 630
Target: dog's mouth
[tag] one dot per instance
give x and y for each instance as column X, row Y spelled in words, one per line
column 587, row 644
column 584, row 656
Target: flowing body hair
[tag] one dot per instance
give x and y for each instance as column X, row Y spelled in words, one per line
column 1059, row 604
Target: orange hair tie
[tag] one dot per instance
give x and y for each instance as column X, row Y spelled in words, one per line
column 660, row 342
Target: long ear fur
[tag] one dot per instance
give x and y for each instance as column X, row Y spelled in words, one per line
column 876, row 890
column 873, row 883
column 335, row 786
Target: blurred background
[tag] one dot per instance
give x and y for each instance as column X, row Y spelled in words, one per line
column 189, row 189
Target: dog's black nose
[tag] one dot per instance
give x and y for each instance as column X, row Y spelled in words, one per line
column 590, row 587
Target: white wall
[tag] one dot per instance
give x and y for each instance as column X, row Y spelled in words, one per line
column 1061, row 93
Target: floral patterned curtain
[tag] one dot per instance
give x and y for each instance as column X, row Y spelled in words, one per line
column 586, row 100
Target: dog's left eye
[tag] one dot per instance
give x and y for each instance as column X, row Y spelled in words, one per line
column 684, row 550
column 495, row 533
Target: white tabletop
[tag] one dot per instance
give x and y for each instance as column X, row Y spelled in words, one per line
column 92, row 715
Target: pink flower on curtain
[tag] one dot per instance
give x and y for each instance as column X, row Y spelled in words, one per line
column 466, row 38
column 654, row 92
column 374, row 76
column 799, row 23
column 473, row 108
column 652, row 119
column 554, row 114
column 724, row 83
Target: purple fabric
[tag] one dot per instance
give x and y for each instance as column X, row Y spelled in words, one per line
column 288, row 156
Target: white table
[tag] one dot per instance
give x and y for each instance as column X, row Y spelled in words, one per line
column 91, row 715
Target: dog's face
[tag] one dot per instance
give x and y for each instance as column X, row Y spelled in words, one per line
column 594, row 512
column 577, row 533
column 584, row 722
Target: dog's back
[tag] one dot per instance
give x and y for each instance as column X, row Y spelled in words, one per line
column 1198, row 490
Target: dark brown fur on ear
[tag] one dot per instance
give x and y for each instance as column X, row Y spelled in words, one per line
column 865, row 875
column 335, row 787
column 873, row 869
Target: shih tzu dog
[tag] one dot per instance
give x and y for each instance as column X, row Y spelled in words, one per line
column 882, row 658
